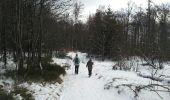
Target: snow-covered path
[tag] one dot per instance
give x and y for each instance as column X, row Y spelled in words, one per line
column 81, row 87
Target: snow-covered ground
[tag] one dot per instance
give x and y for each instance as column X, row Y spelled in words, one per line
column 81, row 87
column 6, row 82
column 102, row 85
column 105, row 83
column 42, row 91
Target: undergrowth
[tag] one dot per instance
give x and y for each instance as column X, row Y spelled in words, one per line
column 50, row 72
column 5, row 96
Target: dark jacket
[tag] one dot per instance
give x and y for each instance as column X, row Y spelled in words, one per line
column 89, row 64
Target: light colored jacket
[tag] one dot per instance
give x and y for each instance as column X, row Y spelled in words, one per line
column 76, row 62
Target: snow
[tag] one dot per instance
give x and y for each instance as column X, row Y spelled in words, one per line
column 101, row 86
column 6, row 83
column 80, row 87
column 10, row 66
column 42, row 91
column 62, row 62
column 18, row 97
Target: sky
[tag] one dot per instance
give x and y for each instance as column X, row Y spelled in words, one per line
column 90, row 6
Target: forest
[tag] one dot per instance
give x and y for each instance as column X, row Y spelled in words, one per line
column 33, row 31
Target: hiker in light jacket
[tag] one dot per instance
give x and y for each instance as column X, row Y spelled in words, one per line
column 76, row 61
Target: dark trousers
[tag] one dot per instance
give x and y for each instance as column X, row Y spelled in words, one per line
column 90, row 72
column 76, row 69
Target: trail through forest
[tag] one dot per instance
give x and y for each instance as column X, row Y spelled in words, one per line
column 105, row 83
column 81, row 87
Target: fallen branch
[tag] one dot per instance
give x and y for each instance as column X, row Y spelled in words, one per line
column 154, row 78
column 137, row 88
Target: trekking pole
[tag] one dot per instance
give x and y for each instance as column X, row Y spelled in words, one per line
column 72, row 68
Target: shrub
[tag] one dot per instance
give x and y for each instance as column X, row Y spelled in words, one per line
column 25, row 94
column 10, row 74
column 46, row 59
column 61, row 54
column 5, row 96
column 50, row 72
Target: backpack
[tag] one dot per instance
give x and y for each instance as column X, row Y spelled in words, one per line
column 76, row 60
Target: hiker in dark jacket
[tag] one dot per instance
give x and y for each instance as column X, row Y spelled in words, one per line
column 90, row 66
column 76, row 61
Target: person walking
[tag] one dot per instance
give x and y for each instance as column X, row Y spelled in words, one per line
column 76, row 63
column 90, row 67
